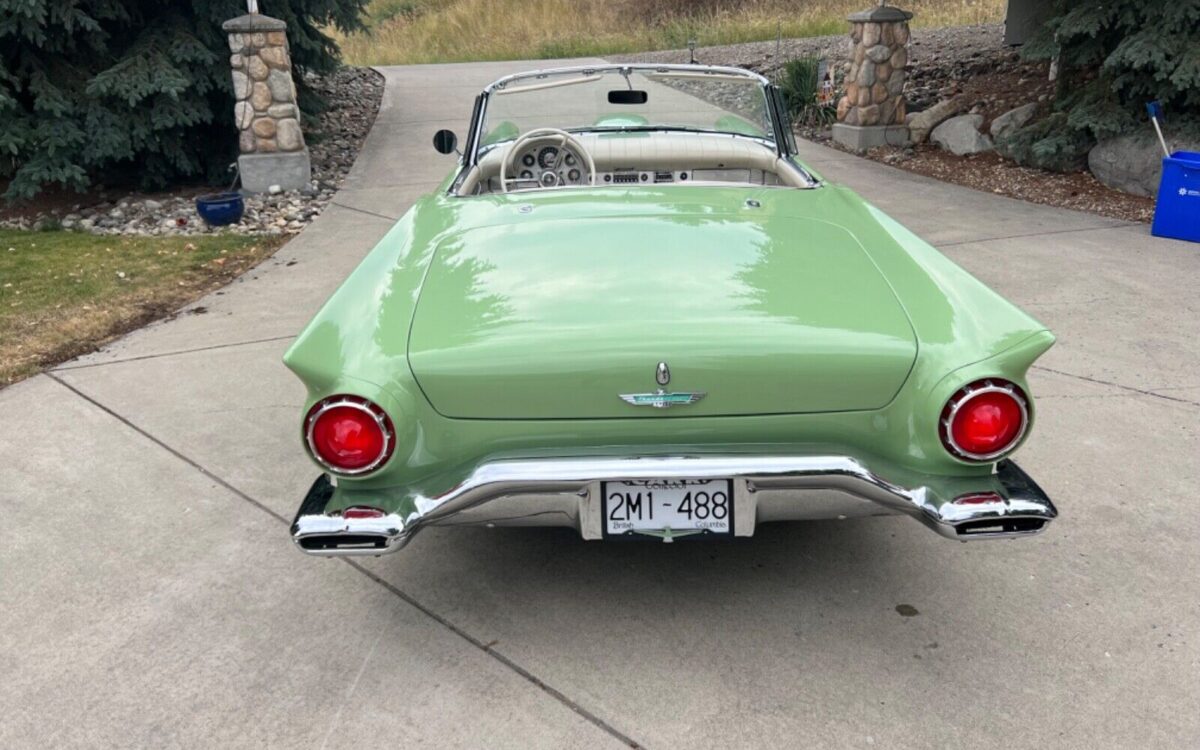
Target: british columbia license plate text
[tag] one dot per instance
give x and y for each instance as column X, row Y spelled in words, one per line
column 657, row 505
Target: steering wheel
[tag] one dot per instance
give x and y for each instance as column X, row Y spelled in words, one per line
column 547, row 134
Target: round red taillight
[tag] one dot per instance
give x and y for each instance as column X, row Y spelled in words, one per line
column 984, row 420
column 349, row 435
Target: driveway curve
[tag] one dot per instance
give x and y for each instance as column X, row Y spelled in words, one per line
column 149, row 594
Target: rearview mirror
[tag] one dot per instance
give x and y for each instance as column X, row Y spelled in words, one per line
column 445, row 141
column 627, row 96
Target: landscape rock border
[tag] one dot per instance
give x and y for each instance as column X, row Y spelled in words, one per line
column 960, row 136
column 920, row 124
column 1013, row 120
column 353, row 96
column 1133, row 163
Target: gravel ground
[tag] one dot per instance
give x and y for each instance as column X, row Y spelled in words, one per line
column 957, row 45
column 943, row 63
column 353, row 95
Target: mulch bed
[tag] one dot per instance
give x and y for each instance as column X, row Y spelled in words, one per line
column 988, row 172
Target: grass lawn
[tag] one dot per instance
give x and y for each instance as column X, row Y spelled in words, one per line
column 63, row 294
column 429, row 31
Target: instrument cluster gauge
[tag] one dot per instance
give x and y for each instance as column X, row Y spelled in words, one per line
column 547, row 156
column 528, row 160
column 573, row 175
column 569, row 159
column 526, row 174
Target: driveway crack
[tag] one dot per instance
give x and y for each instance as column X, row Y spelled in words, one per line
column 213, row 347
column 1042, row 233
column 376, row 214
column 1129, row 388
column 404, row 596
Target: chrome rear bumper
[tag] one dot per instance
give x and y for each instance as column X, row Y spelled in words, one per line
column 565, row 492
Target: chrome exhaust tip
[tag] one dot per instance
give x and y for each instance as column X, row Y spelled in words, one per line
column 999, row 528
column 343, row 534
column 342, row 543
column 1016, row 508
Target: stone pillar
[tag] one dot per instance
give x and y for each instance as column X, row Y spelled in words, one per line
column 871, row 113
column 268, row 119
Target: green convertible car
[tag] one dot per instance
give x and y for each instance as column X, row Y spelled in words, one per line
column 631, row 311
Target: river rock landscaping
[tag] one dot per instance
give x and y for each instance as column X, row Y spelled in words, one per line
column 353, row 96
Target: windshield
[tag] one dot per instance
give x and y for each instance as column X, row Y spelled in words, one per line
column 627, row 99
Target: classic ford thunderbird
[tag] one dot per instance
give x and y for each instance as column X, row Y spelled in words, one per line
column 630, row 310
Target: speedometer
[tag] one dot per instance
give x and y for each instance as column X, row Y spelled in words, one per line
column 547, row 157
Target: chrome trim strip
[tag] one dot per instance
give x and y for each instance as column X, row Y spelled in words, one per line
column 567, row 486
column 661, row 399
column 471, row 147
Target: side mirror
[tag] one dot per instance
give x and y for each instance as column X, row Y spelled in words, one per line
column 445, row 141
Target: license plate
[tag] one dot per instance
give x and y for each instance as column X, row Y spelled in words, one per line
column 667, row 507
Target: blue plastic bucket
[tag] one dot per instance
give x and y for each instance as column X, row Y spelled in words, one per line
column 1177, row 211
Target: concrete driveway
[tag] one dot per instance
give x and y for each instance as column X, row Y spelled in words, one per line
column 149, row 595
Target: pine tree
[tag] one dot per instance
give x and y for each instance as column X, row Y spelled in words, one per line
column 1113, row 57
column 113, row 90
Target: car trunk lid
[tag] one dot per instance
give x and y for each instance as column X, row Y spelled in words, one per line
column 561, row 319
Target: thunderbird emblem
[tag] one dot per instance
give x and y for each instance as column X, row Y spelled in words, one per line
column 661, row 399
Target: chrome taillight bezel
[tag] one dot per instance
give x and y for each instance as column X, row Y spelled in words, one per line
column 962, row 397
column 355, row 402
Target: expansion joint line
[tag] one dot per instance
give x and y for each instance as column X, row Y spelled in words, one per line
column 399, row 593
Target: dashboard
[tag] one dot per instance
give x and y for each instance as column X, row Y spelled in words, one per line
column 623, row 161
column 554, row 166
column 550, row 166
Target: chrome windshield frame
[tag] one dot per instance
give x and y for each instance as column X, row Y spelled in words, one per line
column 630, row 68
column 475, row 135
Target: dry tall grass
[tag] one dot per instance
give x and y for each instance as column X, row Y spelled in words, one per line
column 423, row 31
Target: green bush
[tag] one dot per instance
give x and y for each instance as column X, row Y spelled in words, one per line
column 798, row 83
column 134, row 90
column 1113, row 56
column 1049, row 143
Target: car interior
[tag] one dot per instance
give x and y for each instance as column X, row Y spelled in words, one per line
column 548, row 160
column 561, row 129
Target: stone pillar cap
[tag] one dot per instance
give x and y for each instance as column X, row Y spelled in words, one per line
column 253, row 22
column 880, row 14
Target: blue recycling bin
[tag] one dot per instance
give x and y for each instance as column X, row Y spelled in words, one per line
column 1177, row 210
